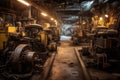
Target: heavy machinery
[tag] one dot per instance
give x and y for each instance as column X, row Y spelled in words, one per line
column 79, row 36
column 22, row 55
column 17, row 60
column 43, row 39
column 106, row 46
column 104, row 49
column 34, row 32
column 56, row 33
column 52, row 45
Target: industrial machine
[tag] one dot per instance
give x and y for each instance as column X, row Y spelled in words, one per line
column 22, row 54
column 43, row 39
column 17, row 60
column 55, row 33
column 106, row 44
column 79, row 36
column 52, row 45
column 104, row 49
column 34, row 32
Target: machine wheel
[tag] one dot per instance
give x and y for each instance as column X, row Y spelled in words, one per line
column 22, row 59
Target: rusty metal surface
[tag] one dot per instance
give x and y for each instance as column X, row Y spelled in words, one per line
column 16, row 54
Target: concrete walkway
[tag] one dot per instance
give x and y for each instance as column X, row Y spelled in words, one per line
column 66, row 66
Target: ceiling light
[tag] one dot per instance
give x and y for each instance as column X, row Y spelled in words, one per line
column 52, row 19
column 24, row 2
column 106, row 16
column 100, row 18
column 44, row 14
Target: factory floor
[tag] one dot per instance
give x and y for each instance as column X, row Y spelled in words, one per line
column 66, row 65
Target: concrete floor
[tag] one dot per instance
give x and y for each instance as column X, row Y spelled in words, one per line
column 66, row 66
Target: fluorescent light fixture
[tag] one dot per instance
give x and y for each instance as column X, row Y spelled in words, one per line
column 106, row 16
column 44, row 14
column 24, row 2
column 52, row 19
column 101, row 18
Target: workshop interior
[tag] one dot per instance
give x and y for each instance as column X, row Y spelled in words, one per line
column 59, row 39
